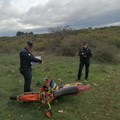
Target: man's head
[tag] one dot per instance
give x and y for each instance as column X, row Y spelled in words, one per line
column 85, row 44
column 29, row 45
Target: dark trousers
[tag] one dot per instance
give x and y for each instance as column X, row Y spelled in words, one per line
column 81, row 65
column 27, row 74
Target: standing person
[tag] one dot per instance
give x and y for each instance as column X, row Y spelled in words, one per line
column 84, row 54
column 26, row 58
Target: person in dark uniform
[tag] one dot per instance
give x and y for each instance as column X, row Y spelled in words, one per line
column 26, row 58
column 84, row 54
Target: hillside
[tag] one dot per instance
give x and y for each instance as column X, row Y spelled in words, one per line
column 104, row 42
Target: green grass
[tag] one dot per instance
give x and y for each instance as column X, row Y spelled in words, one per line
column 102, row 102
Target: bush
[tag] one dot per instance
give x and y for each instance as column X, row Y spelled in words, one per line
column 69, row 47
column 41, row 45
column 105, row 53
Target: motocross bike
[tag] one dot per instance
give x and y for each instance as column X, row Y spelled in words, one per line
column 49, row 92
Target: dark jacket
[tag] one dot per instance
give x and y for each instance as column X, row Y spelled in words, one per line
column 85, row 54
column 26, row 58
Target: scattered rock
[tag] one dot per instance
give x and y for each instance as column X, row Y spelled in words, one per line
column 60, row 111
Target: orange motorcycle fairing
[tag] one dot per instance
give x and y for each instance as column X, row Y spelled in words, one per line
column 29, row 97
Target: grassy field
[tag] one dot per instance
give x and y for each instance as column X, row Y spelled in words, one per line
column 102, row 102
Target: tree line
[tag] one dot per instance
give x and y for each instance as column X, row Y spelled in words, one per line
column 63, row 40
column 19, row 33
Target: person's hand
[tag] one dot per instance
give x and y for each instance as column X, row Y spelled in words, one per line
column 41, row 62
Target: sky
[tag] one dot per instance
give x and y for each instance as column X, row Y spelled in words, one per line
column 38, row 15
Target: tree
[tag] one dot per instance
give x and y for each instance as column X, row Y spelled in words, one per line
column 59, row 34
column 19, row 33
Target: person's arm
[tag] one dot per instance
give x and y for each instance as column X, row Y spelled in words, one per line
column 89, row 53
column 31, row 58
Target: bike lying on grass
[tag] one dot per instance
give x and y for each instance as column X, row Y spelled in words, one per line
column 49, row 92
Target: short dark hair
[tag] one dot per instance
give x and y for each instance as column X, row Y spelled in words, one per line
column 29, row 43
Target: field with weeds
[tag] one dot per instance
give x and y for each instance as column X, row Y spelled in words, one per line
column 102, row 102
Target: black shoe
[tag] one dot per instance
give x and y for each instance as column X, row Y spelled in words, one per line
column 28, row 91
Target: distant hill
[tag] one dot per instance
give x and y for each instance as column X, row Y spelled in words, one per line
column 104, row 42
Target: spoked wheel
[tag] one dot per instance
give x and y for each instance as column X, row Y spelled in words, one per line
column 13, row 97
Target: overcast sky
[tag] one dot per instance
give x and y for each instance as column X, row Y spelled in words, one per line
column 38, row 15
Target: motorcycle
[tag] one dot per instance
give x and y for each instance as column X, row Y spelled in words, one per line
column 49, row 92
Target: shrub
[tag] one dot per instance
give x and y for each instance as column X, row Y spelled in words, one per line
column 105, row 53
column 69, row 47
column 41, row 45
